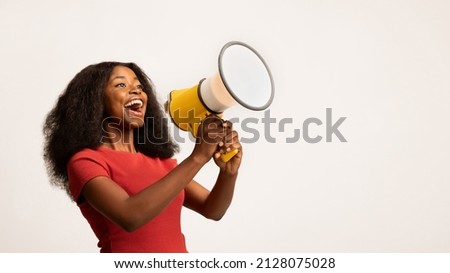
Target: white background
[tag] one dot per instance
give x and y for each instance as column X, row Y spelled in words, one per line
column 384, row 65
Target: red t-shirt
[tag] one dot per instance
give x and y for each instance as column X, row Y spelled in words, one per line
column 133, row 172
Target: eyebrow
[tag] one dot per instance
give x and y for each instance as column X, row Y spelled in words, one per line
column 122, row 77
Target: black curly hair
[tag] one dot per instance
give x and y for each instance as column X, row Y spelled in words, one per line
column 75, row 122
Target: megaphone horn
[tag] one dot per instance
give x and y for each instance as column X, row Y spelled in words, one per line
column 243, row 77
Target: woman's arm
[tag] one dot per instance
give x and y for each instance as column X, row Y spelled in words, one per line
column 213, row 205
column 131, row 212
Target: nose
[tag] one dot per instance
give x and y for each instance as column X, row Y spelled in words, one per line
column 136, row 91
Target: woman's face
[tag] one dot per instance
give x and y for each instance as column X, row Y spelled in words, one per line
column 124, row 98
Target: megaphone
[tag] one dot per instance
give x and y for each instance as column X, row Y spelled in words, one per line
column 243, row 77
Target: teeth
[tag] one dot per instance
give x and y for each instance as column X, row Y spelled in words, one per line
column 133, row 102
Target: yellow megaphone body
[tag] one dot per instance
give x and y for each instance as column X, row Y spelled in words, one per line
column 243, row 77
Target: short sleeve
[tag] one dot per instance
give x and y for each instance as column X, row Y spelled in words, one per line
column 82, row 167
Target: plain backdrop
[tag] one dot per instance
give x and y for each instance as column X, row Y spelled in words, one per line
column 383, row 65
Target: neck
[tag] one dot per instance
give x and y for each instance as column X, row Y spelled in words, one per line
column 117, row 139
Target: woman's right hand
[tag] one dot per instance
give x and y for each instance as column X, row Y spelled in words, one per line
column 209, row 134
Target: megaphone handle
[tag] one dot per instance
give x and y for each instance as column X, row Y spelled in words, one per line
column 229, row 155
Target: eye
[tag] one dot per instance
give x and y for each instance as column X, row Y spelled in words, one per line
column 120, row 85
column 140, row 86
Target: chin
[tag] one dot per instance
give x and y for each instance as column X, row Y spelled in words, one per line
column 135, row 123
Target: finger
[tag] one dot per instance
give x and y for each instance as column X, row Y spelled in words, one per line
column 234, row 146
column 227, row 124
column 212, row 121
column 230, row 138
column 217, row 155
column 213, row 130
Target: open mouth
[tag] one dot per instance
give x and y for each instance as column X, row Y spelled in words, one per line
column 134, row 107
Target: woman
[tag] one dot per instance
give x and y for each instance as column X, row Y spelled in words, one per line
column 107, row 144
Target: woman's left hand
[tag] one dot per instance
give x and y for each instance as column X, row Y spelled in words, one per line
column 229, row 143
